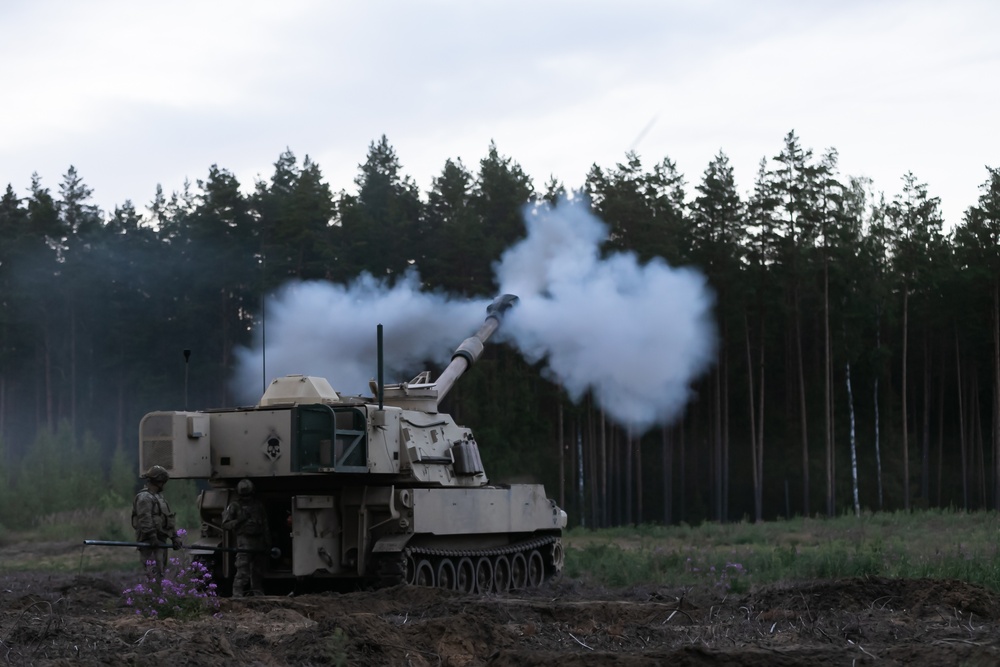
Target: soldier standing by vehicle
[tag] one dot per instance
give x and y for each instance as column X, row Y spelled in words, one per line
column 154, row 523
column 245, row 516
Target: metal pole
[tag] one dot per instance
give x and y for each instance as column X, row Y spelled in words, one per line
column 378, row 347
column 274, row 552
column 263, row 343
column 187, row 356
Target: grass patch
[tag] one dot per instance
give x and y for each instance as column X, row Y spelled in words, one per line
column 55, row 543
column 940, row 544
column 77, row 560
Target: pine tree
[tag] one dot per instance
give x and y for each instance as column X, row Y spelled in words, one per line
column 452, row 254
column 917, row 221
column 295, row 211
column 978, row 244
column 718, row 232
column 380, row 226
column 499, row 196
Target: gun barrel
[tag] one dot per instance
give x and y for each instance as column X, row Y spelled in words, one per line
column 274, row 552
column 472, row 347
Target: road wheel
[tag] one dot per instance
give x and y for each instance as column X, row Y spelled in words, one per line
column 518, row 571
column 410, row 570
column 424, row 574
column 465, row 576
column 536, row 569
column 501, row 574
column 446, row 578
column 484, row 575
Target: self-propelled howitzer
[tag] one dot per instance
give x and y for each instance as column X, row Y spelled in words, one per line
column 383, row 488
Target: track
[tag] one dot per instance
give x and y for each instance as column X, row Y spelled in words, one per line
column 518, row 566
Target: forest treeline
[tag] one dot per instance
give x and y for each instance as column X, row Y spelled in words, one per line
column 859, row 340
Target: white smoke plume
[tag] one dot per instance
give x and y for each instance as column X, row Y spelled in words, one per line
column 329, row 330
column 635, row 335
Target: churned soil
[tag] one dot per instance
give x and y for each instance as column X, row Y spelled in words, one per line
column 81, row 619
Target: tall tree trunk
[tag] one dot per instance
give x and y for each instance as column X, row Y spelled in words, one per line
column 962, row 445
column 853, row 440
column 716, row 430
column 828, row 393
column 976, row 424
column 224, row 361
column 580, row 498
column 904, row 392
column 49, row 417
column 638, row 481
column 925, row 430
column 725, row 428
column 682, row 476
column 612, row 478
column 604, row 472
column 755, row 452
column 120, row 415
column 878, row 371
column 760, row 426
column 996, row 394
column 802, row 409
column 592, row 469
column 668, row 475
column 562, row 458
column 72, row 367
column 940, row 436
column 629, row 491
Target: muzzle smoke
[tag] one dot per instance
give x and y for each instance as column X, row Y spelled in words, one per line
column 325, row 329
column 635, row 335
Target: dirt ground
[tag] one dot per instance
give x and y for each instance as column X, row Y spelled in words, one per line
column 80, row 619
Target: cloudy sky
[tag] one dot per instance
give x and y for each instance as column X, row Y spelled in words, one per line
column 135, row 94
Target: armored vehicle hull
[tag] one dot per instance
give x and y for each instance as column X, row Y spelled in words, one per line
column 384, row 489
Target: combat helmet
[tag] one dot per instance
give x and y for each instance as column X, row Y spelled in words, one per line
column 245, row 487
column 157, row 474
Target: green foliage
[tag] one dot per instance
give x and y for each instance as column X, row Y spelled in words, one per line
column 937, row 544
column 62, row 489
column 336, row 645
column 123, row 481
column 6, row 490
column 52, row 477
column 182, row 494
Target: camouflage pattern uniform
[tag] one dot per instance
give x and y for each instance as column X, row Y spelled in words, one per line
column 245, row 516
column 154, row 523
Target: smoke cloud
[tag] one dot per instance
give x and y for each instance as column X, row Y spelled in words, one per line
column 329, row 330
column 635, row 335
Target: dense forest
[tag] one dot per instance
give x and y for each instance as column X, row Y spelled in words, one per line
column 859, row 338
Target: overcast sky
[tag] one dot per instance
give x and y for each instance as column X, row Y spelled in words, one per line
column 135, row 94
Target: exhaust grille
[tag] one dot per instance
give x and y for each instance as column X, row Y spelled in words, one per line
column 157, row 446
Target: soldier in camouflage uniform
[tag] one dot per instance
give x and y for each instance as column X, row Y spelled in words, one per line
column 245, row 516
column 154, row 523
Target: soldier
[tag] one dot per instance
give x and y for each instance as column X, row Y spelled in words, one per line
column 246, row 518
column 154, row 523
